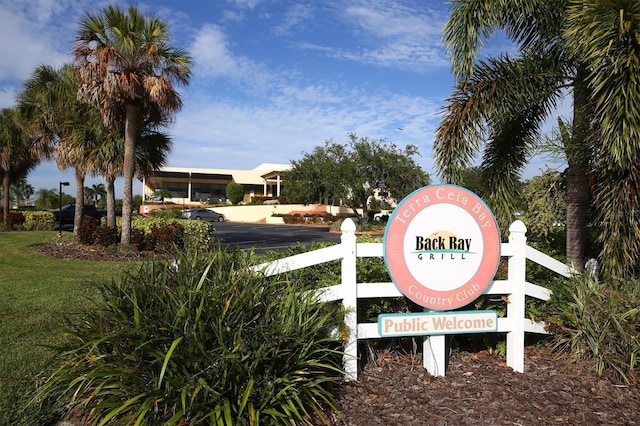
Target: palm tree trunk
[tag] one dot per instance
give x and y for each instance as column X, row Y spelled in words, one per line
column 5, row 198
column 578, row 195
column 578, row 185
column 79, row 214
column 111, row 202
column 128, row 171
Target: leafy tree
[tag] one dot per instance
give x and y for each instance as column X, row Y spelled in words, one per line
column 15, row 157
column 545, row 199
column 315, row 178
column 137, row 201
column 235, row 192
column 22, row 190
column 355, row 173
column 128, row 70
column 48, row 199
column 589, row 47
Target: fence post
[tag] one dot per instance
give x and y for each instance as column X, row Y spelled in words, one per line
column 516, row 304
column 350, row 299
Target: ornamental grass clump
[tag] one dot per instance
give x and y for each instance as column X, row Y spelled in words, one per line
column 200, row 340
column 603, row 325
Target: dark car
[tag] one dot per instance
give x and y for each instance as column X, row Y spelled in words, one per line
column 68, row 212
column 203, row 214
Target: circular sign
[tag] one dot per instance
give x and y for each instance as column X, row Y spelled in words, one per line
column 442, row 247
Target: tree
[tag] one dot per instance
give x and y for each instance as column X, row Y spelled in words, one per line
column 235, row 192
column 356, row 173
column 545, row 209
column 62, row 127
column 48, row 199
column 315, row 178
column 128, row 70
column 499, row 105
column 94, row 193
column 16, row 159
column 22, row 190
column 152, row 148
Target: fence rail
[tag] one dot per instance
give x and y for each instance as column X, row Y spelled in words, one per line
column 515, row 289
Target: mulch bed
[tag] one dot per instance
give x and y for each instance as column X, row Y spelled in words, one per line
column 72, row 251
column 479, row 389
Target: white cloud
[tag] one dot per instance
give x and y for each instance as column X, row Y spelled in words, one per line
column 294, row 16
column 24, row 45
column 394, row 35
column 214, row 59
column 7, row 97
column 245, row 4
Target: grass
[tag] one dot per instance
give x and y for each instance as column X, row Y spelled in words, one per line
column 36, row 293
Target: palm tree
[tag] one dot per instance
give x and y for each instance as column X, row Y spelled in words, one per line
column 16, row 160
column 127, row 70
column 22, row 190
column 152, row 148
column 499, row 104
column 63, row 127
column 94, row 193
column 47, row 199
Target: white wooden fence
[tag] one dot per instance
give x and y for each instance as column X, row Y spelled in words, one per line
column 515, row 288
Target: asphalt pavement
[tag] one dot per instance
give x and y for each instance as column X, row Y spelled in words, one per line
column 265, row 237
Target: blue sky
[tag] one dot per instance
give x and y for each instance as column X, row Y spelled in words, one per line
column 271, row 78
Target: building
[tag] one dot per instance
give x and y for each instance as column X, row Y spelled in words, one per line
column 182, row 185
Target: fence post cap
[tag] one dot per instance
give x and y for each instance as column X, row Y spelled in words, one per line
column 518, row 226
column 348, row 225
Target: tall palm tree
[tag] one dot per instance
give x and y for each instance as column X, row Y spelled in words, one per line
column 16, row 160
column 152, row 148
column 128, row 70
column 63, row 127
column 605, row 34
column 499, row 104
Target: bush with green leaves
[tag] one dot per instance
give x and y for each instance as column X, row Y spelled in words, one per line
column 167, row 213
column 38, row 221
column 235, row 192
column 198, row 235
column 602, row 325
column 201, row 340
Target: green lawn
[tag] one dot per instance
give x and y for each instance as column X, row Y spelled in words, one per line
column 36, row 293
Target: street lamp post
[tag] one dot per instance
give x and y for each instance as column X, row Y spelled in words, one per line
column 60, row 207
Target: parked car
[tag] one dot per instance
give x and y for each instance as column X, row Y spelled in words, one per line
column 382, row 216
column 68, row 213
column 203, row 214
column 69, row 210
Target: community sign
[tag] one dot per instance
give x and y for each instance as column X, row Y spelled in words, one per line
column 442, row 247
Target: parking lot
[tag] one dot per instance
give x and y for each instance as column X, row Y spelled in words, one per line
column 263, row 237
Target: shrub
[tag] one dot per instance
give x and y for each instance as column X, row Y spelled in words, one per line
column 602, row 325
column 169, row 213
column 15, row 220
column 197, row 235
column 87, row 229
column 167, row 238
column 137, row 239
column 106, row 236
column 235, row 192
column 38, row 221
column 199, row 341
